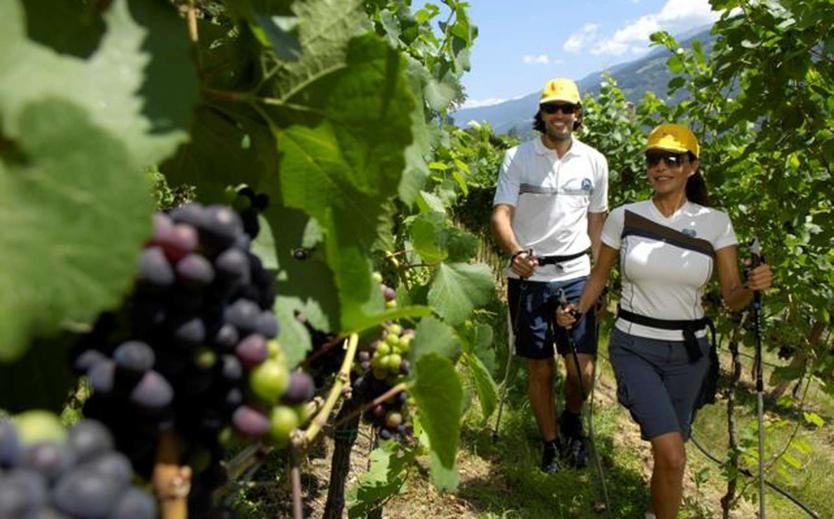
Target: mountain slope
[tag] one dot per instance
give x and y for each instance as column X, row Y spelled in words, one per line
column 635, row 78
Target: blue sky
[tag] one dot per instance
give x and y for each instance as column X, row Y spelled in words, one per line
column 522, row 43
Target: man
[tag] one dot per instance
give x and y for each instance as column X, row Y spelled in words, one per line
column 548, row 211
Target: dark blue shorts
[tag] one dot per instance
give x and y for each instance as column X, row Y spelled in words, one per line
column 533, row 319
column 656, row 381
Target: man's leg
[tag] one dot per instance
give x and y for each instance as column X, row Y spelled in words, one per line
column 540, row 391
column 573, row 391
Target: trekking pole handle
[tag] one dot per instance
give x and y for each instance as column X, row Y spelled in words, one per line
column 756, row 259
column 563, row 302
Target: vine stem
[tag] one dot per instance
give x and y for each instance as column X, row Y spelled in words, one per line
column 384, row 397
column 171, row 482
column 342, row 378
column 295, row 479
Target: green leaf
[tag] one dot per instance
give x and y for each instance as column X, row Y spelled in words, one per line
column 74, row 212
column 429, row 203
column 344, row 162
column 433, row 336
column 428, row 236
column 293, row 337
column 139, row 86
column 461, row 245
column 385, row 477
column 66, row 27
column 814, row 419
column 439, row 396
column 459, row 288
column 485, row 386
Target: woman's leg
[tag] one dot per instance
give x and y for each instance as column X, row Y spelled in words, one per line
column 667, row 476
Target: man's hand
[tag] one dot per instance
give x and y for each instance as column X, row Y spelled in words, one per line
column 759, row 278
column 524, row 264
column 565, row 316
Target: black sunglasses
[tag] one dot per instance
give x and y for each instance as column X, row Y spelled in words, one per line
column 672, row 160
column 551, row 108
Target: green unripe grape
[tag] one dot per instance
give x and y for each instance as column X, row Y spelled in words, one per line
column 204, row 358
column 38, row 426
column 283, row 420
column 393, row 362
column 302, row 412
column 269, row 380
column 376, row 276
column 393, row 419
column 395, row 329
column 383, row 349
column 274, row 348
column 391, row 340
column 380, row 373
column 404, row 345
column 378, row 361
column 391, row 304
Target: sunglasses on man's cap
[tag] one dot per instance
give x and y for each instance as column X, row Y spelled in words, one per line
column 565, row 108
column 671, row 159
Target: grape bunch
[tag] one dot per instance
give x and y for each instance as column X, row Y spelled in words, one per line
column 381, row 365
column 49, row 472
column 194, row 349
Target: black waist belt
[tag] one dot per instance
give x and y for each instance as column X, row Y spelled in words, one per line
column 552, row 260
column 688, row 327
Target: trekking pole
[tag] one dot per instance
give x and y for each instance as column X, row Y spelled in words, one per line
column 512, row 336
column 563, row 302
column 756, row 260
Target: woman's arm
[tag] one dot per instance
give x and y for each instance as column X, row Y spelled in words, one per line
column 593, row 288
column 737, row 296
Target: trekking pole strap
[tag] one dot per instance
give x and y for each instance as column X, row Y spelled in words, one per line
column 687, row 326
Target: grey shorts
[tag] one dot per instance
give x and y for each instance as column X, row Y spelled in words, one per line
column 656, row 382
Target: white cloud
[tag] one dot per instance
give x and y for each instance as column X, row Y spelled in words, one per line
column 578, row 40
column 676, row 16
column 474, row 103
column 541, row 59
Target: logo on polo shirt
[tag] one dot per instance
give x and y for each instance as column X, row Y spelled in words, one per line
column 586, row 184
column 689, row 232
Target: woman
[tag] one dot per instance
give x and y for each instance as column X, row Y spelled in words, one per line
column 668, row 247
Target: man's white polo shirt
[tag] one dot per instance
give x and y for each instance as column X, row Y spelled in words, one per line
column 552, row 198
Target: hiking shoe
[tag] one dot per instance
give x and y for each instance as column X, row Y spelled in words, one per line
column 550, row 457
column 577, row 452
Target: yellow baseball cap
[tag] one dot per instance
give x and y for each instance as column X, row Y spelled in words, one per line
column 560, row 89
column 673, row 137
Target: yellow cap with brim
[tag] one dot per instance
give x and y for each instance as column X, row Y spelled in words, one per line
column 673, row 137
column 560, row 89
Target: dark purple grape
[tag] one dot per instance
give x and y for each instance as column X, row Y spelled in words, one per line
column 250, row 422
column 191, row 332
column 86, row 360
column 365, row 365
column 49, row 459
column 300, row 389
column 378, row 410
column 152, row 393
column 243, row 314
column 252, row 350
column 134, row 504
column 385, row 434
column 162, row 225
column 226, row 337
column 85, row 494
column 22, row 492
column 267, row 325
column 251, row 226
column 301, row 254
column 405, row 367
column 233, row 265
column 154, row 269
column 11, row 448
column 112, row 465
column 193, row 214
column 134, row 356
column 364, row 356
column 102, row 376
column 389, row 293
column 231, row 369
column 221, row 227
column 195, row 271
column 89, row 438
column 177, row 242
column 233, row 399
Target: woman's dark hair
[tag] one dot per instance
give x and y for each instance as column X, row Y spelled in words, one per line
column 696, row 187
column 538, row 122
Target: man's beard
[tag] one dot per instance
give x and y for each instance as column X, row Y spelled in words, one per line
column 557, row 136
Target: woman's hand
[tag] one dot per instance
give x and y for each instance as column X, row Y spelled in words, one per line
column 564, row 316
column 760, row 278
column 524, row 264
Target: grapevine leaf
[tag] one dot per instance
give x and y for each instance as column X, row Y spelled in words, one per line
column 294, row 338
column 74, row 213
column 462, row 246
column 139, row 85
column 66, row 27
column 384, row 478
column 428, row 236
column 345, row 162
column 439, row 396
column 459, row 288
column 433, row 336
column 416, row 170
column 484, row 384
